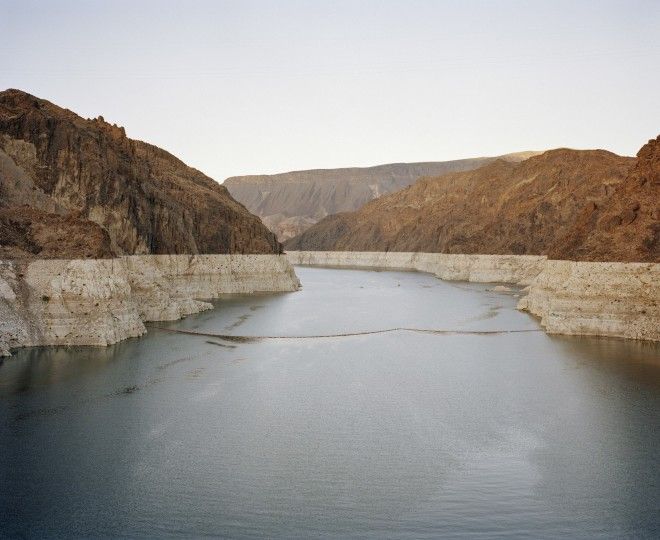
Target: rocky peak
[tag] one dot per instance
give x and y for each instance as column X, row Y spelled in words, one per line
column 626, row 226
column 147, row 200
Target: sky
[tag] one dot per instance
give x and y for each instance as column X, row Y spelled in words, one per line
column 252, row 87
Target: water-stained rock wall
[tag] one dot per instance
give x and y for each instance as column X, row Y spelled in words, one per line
column 521, row 269
column 603, row 299
column 100, row 302
column 578, row 298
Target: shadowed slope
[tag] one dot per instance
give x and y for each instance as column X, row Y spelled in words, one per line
column 146, row 200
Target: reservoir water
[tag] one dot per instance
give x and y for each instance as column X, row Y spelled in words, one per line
column 490, row 428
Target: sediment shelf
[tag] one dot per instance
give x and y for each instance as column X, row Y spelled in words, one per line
column 103, row 301
column 577, row 298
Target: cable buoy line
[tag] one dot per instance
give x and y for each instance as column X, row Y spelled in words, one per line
column 246, row 339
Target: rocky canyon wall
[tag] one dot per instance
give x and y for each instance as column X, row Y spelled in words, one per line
column 595, row 298
column 290, row 203
column 581, row 205
column 76, row 188
column 575, row 298
column 103, row 301
column 520, row 269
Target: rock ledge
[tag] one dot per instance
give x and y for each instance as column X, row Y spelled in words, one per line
column 103, row 301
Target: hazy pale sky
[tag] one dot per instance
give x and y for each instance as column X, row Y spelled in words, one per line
column 241, row 87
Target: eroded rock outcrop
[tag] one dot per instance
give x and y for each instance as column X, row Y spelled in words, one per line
column 597, row 298
column 577, row 298
column 519, row 269
column 567, row 204
column 625, row 226
column 84, row 186
column 100, row 302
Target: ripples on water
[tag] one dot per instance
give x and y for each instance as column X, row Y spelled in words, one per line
column 401, row 434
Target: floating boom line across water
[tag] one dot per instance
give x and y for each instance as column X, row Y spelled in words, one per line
column 249, row 339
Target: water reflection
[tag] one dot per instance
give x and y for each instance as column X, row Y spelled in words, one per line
column 400, row 434
column 36, row 367
column 637, row 361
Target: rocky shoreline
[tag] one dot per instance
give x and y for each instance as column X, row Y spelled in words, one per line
column 576, row 298
column 595, row 298
column 520, row 269
column 103, row 301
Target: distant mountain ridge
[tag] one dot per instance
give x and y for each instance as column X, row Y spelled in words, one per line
column 567, row 204
column 289, row 203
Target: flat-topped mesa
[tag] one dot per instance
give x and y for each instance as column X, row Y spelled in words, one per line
column 85, row 173
column 291, row 202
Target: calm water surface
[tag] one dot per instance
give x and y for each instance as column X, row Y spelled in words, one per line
column 400, row 435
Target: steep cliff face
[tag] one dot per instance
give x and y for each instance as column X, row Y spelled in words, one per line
column 577, row 298
column 100, row 302
column 597, row 298
column 518, row 269
column 626, row 226
column 536, row 207
column 289, row 203
column 77, row 174
column 27, row 232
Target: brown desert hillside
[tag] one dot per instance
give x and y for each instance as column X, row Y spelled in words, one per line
column 291, row 202
column 626, row 226
column 569, row 204
column 75, row 187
